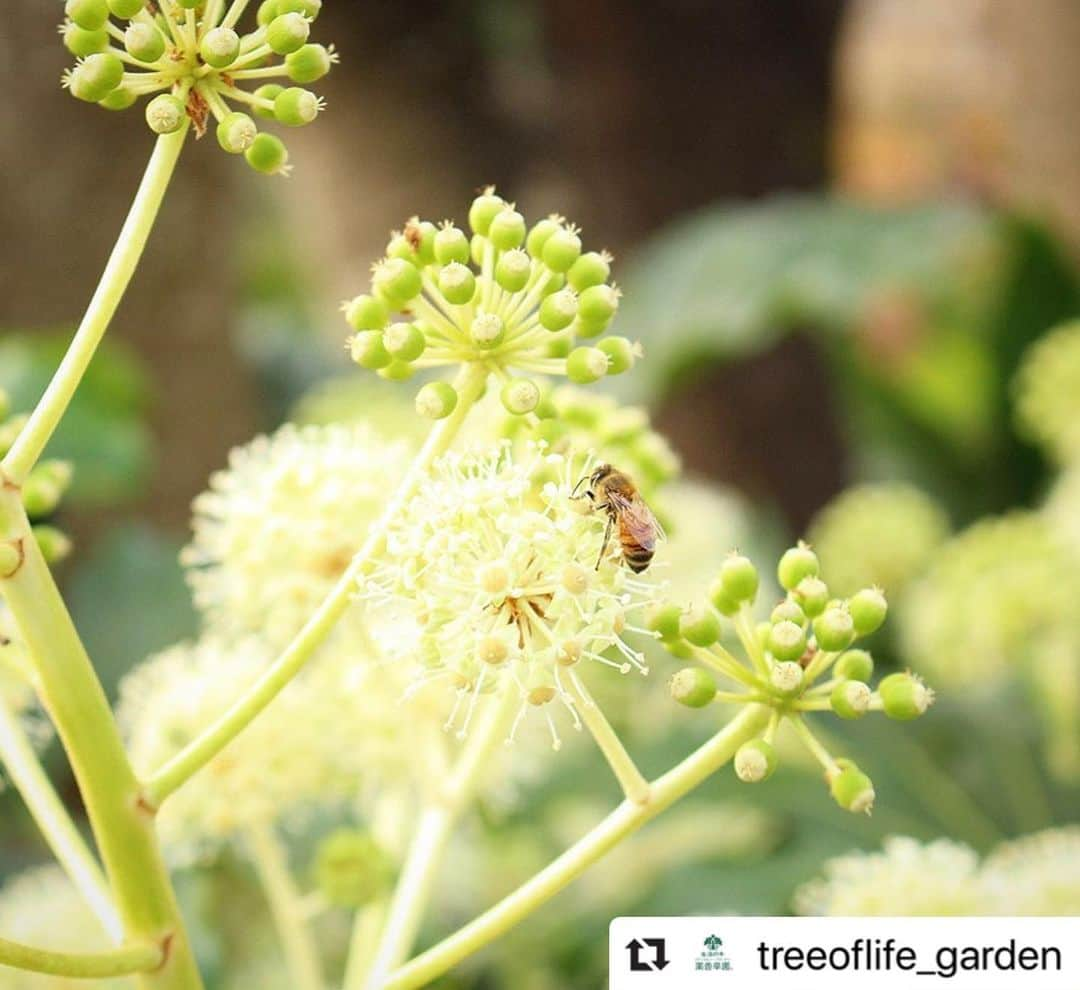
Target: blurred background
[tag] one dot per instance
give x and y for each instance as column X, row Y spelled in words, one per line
column 839, row 227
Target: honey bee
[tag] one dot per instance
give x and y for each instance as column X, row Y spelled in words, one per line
column 613, row 492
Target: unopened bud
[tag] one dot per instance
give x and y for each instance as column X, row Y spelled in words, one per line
column 755, row 761
column 694, row 687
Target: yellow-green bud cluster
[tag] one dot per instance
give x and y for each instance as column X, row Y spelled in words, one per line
column 522, row 301
column 193, row 61
column 1047, row 390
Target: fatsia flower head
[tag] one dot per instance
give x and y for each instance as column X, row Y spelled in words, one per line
column 1037, row 874
column 508, row 594
column 279, row 526
column 516, row 300
column 192, row 54
column 1047, row 389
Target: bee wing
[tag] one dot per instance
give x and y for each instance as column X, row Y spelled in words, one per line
column 640, row 523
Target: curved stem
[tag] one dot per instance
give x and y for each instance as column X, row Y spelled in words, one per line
column 126, row 960
column 626, row 819
column 32, row 439
column 272, row 867
column 633, row 783
column 54, row 822
column 219, row 734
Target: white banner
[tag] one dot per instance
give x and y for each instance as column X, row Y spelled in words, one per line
column 738, row 953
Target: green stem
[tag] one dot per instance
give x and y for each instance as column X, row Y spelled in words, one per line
column 122, row 823
column 218, row 735
column 33, row 438
column 272, row 866
column 125, row 960
column 364, row 943
column 626, row 819
column 52, row 818
column 633, row 783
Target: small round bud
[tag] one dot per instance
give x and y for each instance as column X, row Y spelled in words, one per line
column 812, row 595
column 739, row 577
column 850, row 699
column 833, row 629
column 268, row 155
column 492, row 650
column 754, row 761
column 236, row 133
column 693, row 687
column 287, row 33
column 268, row 92
column 561, row 250
column 787, row 640
column 596, row 309
column 165, row 114
column 126, row 9
column 575, row 579
column 404, row 341
column 855, row 665
column 520, row 396
column 219, row 47
column 436, row 400
column 119, row 99
column 397, row 281
column 144, row 41
column 720, row 599
column 351, row 868
column 456, row 282
column 851, row 788
column 904, row 696
column 295, row 107
column 309, row 8
column 539, row 235
column 664, row 618
column 96, row 77
column 90, row 15
column 507, row 229
column 487, row 330
column 788, row 611
column 451, row 245
column 365, row 312
column 397, row 371
column 483, row 211
column 40, row 495
column 586, row 364
column 367, row 349
column 11, row 558
column 786, row 677
column 53, row 544
column 267, row 11
column 700, row 626
column 308, row 64
column 512, row 270
column 868, row 608
column 590, row 269
column 621, row 354
column 797, row 563
column 558, row 310
column 82, row 43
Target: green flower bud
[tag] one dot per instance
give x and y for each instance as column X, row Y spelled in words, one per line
column 309, row 8
column 268, row 155
column 11, row 558
column 219, row 47
column 596, row 307
column 82, row 43
column 436, row 400
column 739, row 577
column 268, row 92
column 40, row 495
column 621, row 354
column 868, row 608
column 700, row 626
column 512, row 270
column 96, row 76
column 484, row 209
column 851, row 788
column 367, row 350
column 693, row 687
column 833, row 629
column 850, row 699
column 904, row 696
column 9, row 431
column 119, row 99
column 397, row 281
column 236, row 133
column 53, row 544
column 144, row 41
column 351, row 868
column 404, row 341
column 787, row 640
column 397, row 371
column 721, row 599
column 812, row 595
column 789, row 611
column 754, row 761
column 586, row 364
column 90, row 15
column 558, row 310
column 664, row 618
column 561, row 250
column 125, row 9
column 507, row 229
column 520, row 396
column 555, row 283
column 268, row 10
column 539, row 235
column 295, row 107
column 287, row 33
column 855, row 665
column 487, row 330
column 451, row 245
column 456, row 281
column 365, row 312
column 165, row 114
column 420, row 236
column 590, row 269
column 309, row 64
column 786, row 677
column 797, row 563
column 190, row 4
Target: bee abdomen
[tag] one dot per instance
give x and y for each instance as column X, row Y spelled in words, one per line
column 637, row 558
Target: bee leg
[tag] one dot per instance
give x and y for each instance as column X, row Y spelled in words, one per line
column 607, row 539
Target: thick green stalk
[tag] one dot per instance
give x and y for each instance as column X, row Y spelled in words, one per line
column 626, row 819
column 218, row 735
column 123, row 961
column 32, row 439
column 52, row 818
column 123, row 825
